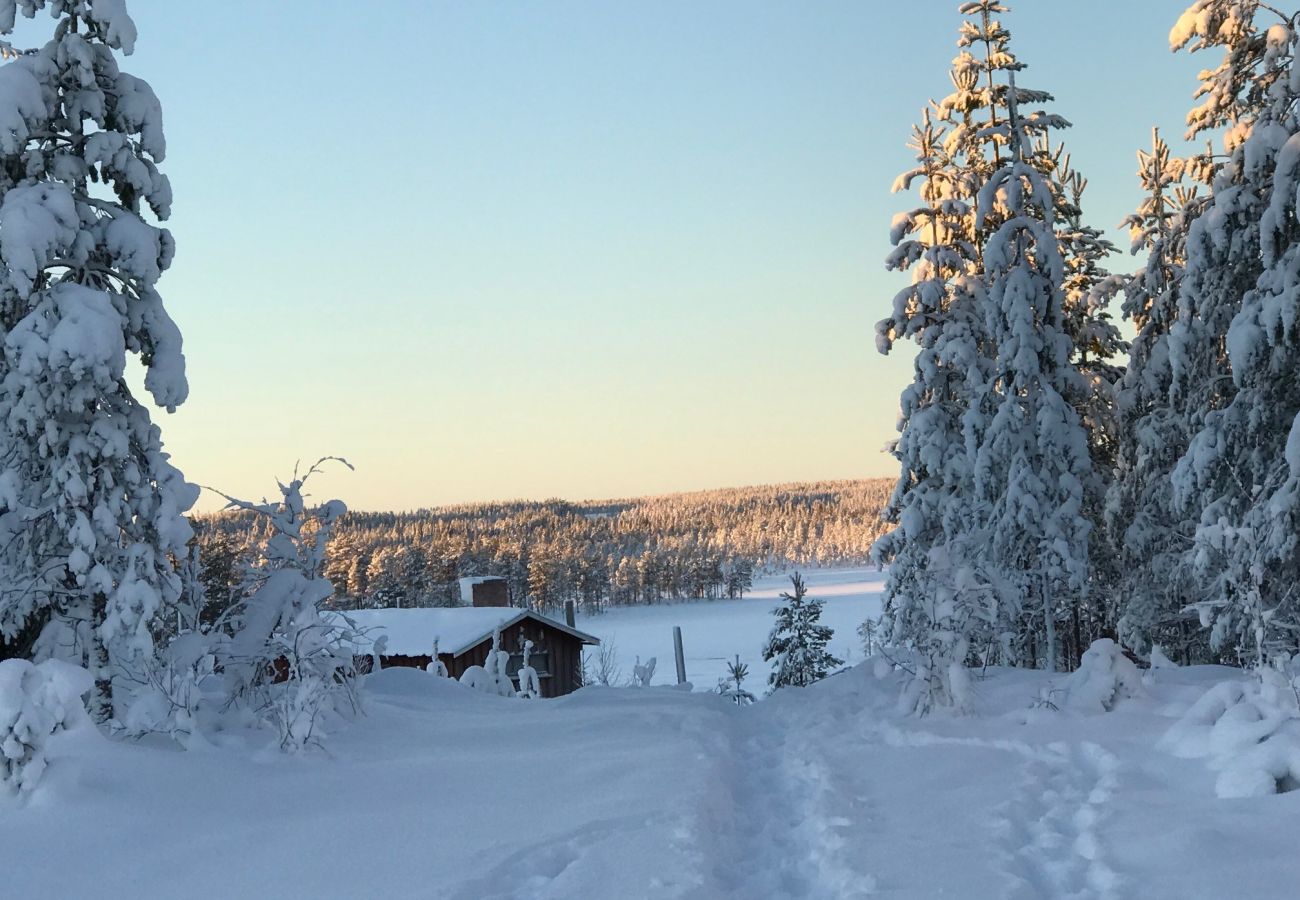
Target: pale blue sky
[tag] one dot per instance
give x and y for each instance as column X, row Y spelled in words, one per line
column 500, row 249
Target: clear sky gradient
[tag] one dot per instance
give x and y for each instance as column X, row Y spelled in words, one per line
column 583, row 249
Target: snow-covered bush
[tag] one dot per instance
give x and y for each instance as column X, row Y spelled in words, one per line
column 962, row 604
column 435, row 666
column 642, row 673
column 530, row 686
column 1159, row 662
column 1105, row 676
column 491, row 677
column 36, row 701
column 1248, row 730
column 281, row 658
column 602, row 667
column 170, row 700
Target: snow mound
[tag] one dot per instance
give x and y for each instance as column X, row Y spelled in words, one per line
column 1105, row 677
column 1250, row 733
column 36, row 701
column 402, row 682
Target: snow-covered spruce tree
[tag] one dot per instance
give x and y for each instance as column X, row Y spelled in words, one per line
column 938, row 513
column 1096, row 348
column 90, row 508
column 1141, row 520
column 283, row 660
column 940, row 311
column 941, row 420
column 1223, row 256
column 1095, row 344
column 1033, row 463
column 797, row 645
column 1244, row 252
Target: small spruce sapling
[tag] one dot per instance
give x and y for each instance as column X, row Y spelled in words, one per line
column 732, row 687
column 797, row 645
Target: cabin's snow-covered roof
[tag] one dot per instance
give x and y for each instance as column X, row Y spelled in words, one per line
column 411, row 632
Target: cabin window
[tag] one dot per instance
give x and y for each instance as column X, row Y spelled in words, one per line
column 539, row 659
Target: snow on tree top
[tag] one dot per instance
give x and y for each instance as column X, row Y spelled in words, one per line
column 411, row 632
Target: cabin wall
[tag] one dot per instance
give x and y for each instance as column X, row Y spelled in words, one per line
column 564, row 655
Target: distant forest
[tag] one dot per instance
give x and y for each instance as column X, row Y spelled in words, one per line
column 597, row 553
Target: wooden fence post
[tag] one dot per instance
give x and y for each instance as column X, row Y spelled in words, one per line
column 681, row 657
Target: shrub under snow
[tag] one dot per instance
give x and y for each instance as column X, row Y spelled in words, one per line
column 491, row 677
column 1104, row 677
column 1249, row 731
column 36, row 701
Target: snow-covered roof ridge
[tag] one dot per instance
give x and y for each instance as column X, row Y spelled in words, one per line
column 411, row 632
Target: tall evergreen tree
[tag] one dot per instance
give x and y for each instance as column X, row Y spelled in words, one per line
column 1096, row 348
column 940, row 311
column 1141, row 518
column 90, row 507
column 1244, row 259
column 941, row 420
column 1033, row 464
column 941, row 528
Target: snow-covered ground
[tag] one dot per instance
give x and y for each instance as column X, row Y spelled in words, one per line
column 825, row 792
column 715, row 631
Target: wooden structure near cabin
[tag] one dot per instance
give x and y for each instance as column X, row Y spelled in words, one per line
column 464, row 637
column 484, row 591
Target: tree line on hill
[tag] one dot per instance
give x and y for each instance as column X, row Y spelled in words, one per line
column 601, row 553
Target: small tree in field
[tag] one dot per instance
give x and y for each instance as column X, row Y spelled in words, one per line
column 797, row 645
column 283, row 659
column 732, row 687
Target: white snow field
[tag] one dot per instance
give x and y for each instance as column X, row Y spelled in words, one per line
column 715, row 631
column 628, row 793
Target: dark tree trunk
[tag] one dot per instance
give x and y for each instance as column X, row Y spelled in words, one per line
column 23, row 644
column 101, row 700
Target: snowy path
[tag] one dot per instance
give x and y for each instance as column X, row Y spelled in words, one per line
column 797, row 813
column 1051, row 828
column 1049, row 831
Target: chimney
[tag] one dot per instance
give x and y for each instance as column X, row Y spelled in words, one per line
column 490, row 592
